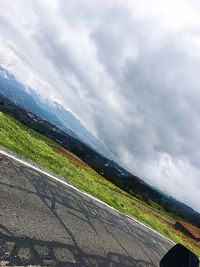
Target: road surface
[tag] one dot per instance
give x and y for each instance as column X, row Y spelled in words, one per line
column 46, row 223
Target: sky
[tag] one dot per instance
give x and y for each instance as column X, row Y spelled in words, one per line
column 129, row 70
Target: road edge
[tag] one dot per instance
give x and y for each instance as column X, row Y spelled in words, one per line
column 36, row 167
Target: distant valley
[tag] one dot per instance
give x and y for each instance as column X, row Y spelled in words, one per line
column 58, row 124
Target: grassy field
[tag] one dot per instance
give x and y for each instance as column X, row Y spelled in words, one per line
column 51, row 156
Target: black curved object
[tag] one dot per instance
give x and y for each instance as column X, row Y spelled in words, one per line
column 179, row 256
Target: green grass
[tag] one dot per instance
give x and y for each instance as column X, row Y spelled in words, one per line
column 35, row 147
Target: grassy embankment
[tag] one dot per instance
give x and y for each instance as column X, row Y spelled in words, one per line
column 35, row 147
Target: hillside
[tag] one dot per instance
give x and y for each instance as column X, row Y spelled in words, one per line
column 53, row 157
column 102, row 165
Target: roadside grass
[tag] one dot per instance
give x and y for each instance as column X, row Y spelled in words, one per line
column 48, row 154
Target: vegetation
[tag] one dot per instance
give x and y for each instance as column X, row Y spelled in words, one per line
column 43, row 151
column 121, row 178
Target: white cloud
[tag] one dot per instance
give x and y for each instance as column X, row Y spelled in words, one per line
column 128, row 69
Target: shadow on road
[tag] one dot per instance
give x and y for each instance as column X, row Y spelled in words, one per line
column 24, row 250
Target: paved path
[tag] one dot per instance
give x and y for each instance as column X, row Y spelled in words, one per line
column 46, row 223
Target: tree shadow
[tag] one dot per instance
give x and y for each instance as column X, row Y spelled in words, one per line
column 24, row 250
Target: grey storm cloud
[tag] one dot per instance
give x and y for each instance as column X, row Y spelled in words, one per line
column 127, row 69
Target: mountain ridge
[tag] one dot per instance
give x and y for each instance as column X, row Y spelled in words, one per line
column 48, row 110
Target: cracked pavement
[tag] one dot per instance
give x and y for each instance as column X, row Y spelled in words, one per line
column 46, row 223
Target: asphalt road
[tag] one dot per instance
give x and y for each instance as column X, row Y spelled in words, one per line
column 46, row 223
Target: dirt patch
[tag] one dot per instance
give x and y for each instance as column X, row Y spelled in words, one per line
column 68, row 155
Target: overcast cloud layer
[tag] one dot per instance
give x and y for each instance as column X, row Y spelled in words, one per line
column 129, row 70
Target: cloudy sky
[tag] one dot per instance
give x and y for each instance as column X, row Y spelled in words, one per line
column 129, row 70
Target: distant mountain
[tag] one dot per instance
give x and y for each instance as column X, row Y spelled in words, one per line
column 69, row 121
column 47, row 110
